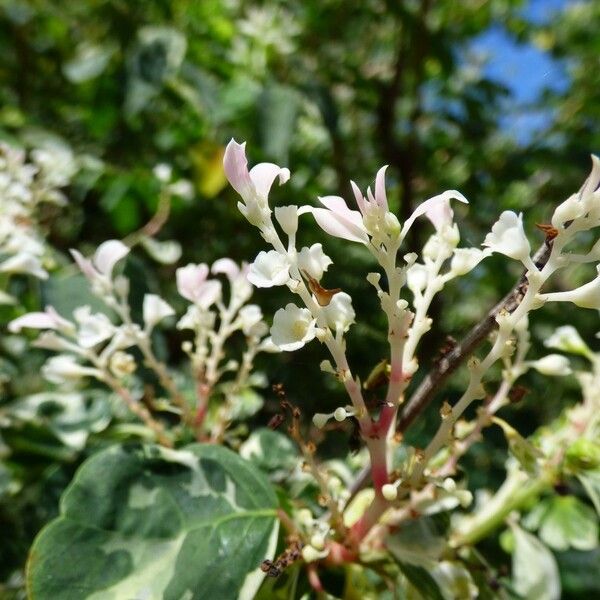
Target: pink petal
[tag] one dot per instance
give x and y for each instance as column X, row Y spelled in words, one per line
column 360, row 199
column 436, row 209
column 85, row 265
column 190, row 279
column 108, row 255
column 235, row 165
column 380, row 195
column 264, row 174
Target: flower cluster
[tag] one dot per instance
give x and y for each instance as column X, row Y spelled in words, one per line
column 326, row 314
column 24, row 187
column 100, row 344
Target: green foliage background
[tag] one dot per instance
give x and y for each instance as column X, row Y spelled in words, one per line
column 331, row 88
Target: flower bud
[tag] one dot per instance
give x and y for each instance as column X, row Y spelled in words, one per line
column 317, row 541
column 320, row 420
column 389, row 492
column 340, row 414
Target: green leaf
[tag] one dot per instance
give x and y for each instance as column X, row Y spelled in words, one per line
column 89, row 62
column 147, row 522
column 270, row 451
column 420, row 579
column 591, row 483
column 523, row 450
column 535, row 573
column 70, row 417
column 569, row 523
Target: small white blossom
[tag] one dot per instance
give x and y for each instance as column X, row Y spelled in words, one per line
column 552, row 365
column 49, row 319
column 465, row 260
column 64, row 367
column 585, row 296
column 567, row 339
column 339, row 312
column 287, row 217
column 122, row 364
column 416, row 278
column 571, row 208
column 508, row 237
column 155, row 309
column 269, row 269
column 292, row 327
column 251, row 321
column 314, row 261
column 193, row 285
column 103, row 262
column 24, row 262
column 93, row 328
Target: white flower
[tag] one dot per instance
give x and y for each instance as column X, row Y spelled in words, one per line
column 570, row 209
column 251, row 321
column 269, row 269
column 254, row 185
column 64, row 367
column 314, row 261
column 585, row 296
column 507, row 236
column 24, row 262
column 287, row 217
column 193, row 285
column 416, row 278
column 122, row 364
column 238, row 277
column 553, row 365
column 196, row 318
column 465, row 259
column 93, row 328
column 292, row 327
column 567, row 339
column 49, row 319
column 155, row 309
column 103, row 262
column 339, row 312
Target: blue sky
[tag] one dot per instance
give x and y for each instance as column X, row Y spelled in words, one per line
column 524, row 69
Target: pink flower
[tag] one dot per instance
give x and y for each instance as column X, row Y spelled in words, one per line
column 193, row 285
column 254, row 185
column 380, row 198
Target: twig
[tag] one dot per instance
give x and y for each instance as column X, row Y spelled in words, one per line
column 427, row 389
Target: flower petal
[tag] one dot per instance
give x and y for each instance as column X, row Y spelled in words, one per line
column 380, row 195
column 264, row 174
column 108, row 254
column 227, row 267
column 436, row 209
column 235, row 165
